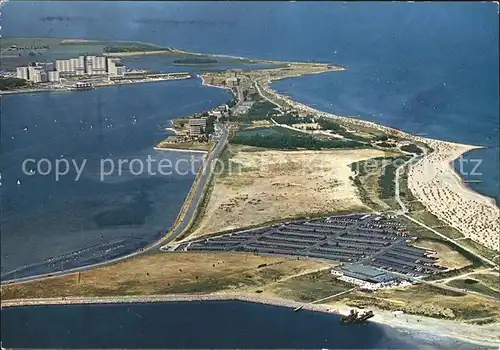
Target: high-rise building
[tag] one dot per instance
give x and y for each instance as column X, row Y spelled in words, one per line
column 44, row 77
column 22, row 73
column 60, row 65
column 37, row 74
column 53, row 76
column 96, row 65
column 77, row 65
column 112, row 67
column 64, row 66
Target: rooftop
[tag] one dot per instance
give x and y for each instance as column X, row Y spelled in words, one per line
column 363, row 270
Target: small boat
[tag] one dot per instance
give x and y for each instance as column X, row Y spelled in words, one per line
column 349, row 318
column 353, row 317
column 18, row 182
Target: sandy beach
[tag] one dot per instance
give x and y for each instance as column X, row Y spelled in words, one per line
column 486, row 335
column 136, row 53
column 434, row 182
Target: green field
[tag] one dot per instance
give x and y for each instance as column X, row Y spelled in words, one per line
column 474, row 286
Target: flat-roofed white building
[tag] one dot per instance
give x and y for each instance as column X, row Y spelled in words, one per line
column 65, row 66
column 112, row 67
column 37, row 74
column 96, row 65
column 53, row 76
column 22, row 73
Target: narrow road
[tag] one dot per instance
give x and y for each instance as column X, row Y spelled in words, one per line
column 404, row 209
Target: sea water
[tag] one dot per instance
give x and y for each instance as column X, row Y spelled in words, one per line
column 201, row 325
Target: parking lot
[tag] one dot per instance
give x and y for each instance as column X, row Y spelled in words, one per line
column 369, row 239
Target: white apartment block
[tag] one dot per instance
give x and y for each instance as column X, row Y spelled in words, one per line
column 53, row 76
column 115, row 68
column 120, row 70
column 112, row 67
column 96, row 65
column 78, row 65
column 71, row 66
column 63, row 66
column 37, row 74
column 22, row 73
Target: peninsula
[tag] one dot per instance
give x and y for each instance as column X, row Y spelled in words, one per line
column 308, row 209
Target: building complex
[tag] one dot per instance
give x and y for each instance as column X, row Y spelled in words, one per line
column 374, row 250
column 40, row 72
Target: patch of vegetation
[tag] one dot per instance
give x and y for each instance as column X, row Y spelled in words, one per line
column 291, row 140
column 476, row 262
column 427, row 301
column 411, row 148
column 328, row 124
column 11, row 83
column 196, row 60
column 366, row 180
column 131, row 48
column 291, row 118
column 481, row 249
column 260, row 110
column 386, row 144
column 491, row 280
column 386, row 180
column 449, row 274
column 310, row 287
column 209, row 129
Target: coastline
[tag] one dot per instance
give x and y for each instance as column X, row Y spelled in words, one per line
column 180, row 150
column 484, row 335
column 439, row 188
column 69, row 89
column 434, row 181
column 204, row 83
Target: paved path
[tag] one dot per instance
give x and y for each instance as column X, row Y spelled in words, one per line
column 486, row 271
